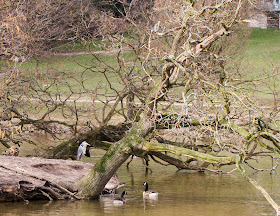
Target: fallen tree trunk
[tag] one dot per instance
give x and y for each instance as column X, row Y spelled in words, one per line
column 68, row 149
column 23, row 178
column 157, row 147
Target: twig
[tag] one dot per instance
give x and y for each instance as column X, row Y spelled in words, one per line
column 145, row 163
column 129, row 161
column 257, row 186
column 46, row 194
column 262, row 170
column 218, row 171
column 157, row 161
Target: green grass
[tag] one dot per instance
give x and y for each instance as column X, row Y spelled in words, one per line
column 262, row 54
column 76, row 70
column 95, row 45
column 264, row 43
column 262, row 59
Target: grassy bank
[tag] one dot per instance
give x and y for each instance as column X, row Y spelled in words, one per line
column 262, row 60
column 262, row 57
column 264, row 43
column 80, row 71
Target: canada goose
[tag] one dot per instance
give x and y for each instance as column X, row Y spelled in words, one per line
column 113, row 184
column 149, row 194
column 120, row 200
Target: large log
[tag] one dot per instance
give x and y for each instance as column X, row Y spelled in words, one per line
column 23, row 178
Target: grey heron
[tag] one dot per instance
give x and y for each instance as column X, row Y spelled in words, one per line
column 82, row 150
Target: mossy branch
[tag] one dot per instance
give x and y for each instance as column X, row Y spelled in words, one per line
column 253, row 137
column 179, row 151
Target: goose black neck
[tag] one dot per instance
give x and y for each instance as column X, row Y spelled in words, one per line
column 147, row 187
column 123, row 193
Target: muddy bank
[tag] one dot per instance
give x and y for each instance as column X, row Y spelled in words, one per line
column 23, row 178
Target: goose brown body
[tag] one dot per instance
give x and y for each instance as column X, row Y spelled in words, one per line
column 113, row 184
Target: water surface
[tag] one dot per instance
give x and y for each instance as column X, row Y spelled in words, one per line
column 180, row 193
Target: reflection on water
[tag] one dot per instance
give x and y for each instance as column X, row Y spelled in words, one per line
column 180, row 193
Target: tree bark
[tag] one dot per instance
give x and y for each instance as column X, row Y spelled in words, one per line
column 93, row 183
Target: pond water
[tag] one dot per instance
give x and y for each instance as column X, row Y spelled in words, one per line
column 180, row 193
